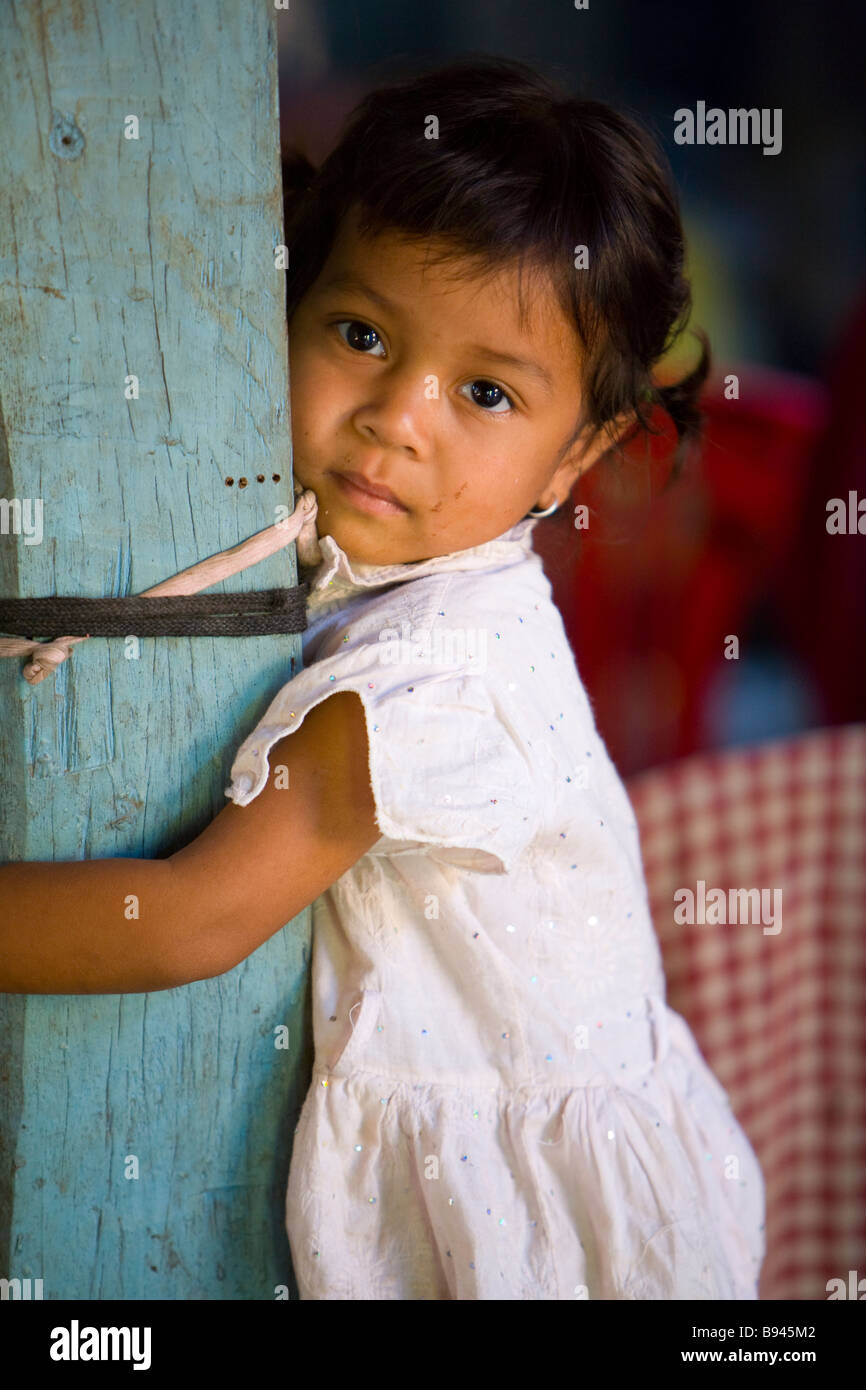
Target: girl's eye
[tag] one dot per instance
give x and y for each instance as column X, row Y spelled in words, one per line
column 359, row 335
column 488, row 389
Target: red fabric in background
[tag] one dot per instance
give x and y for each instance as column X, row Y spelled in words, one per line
column 650, row 592
column 778, row 1015
column 821, row 595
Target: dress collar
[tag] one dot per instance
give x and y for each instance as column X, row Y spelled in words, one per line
column 336, row 576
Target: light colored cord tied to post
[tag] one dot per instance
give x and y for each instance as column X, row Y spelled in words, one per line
column 299, row 527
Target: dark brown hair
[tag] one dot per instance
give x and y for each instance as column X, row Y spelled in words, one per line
column 521, row 172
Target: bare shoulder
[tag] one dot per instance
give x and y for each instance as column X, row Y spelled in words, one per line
column 256, row 867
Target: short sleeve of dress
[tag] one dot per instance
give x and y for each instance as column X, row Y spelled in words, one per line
column 448, row 769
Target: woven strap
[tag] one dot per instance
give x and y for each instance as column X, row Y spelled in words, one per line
column 189, row 615
column 169, row 609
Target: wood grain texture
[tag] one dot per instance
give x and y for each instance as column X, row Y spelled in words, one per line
column 154, row 257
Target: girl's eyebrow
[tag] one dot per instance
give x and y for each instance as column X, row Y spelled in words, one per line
column 533, row 368
column 349, row 282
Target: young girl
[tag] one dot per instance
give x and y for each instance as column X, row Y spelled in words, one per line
column 483, row 274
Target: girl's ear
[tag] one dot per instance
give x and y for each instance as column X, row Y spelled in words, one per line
column 586, row 450
column 614, row 431
column 589, row 448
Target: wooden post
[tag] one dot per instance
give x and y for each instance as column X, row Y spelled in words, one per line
column 144, row 1139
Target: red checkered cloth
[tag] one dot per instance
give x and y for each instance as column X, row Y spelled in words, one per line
column 780, row 1018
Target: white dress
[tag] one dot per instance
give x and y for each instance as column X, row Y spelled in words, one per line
column 502, row 1106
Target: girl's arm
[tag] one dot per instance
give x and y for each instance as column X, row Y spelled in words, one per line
column 72, row 929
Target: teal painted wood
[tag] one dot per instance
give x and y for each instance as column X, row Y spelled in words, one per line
column 153, row 257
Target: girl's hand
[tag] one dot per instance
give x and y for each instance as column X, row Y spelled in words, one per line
column 64, row 928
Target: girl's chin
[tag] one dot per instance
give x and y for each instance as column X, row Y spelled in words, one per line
column 364, row 550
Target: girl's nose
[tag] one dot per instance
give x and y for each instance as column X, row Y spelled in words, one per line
column 397, row 410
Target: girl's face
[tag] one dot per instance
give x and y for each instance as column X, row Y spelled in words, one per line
column 403, row 375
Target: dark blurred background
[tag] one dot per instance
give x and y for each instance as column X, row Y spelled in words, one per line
column 666, row 575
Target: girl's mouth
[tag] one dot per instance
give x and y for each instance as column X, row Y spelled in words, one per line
column 362, row 495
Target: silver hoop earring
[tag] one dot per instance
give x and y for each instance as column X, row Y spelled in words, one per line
column 550, row 510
